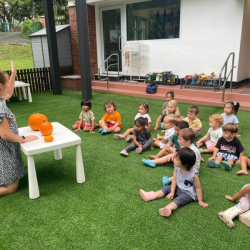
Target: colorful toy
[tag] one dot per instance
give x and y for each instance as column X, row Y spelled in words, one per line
column 46, row 128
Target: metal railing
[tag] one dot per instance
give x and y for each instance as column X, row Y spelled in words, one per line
column 225, row 78
column 107, row 69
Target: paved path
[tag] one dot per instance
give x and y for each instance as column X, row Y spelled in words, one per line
column 13, row 37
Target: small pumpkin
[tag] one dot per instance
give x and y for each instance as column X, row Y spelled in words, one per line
column 35, row 120
column 46, row 128
column 48, row 138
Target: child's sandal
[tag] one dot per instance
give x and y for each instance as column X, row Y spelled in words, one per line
column 213, row 164
column 227, row 165
column 165, row 181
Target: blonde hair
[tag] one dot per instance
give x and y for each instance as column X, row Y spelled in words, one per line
column 177, row 111
column 171, row 118
column 218, row 118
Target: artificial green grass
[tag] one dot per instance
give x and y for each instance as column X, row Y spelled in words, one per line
column 21, row 54
column 106, row 212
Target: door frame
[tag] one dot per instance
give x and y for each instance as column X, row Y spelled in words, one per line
column 123, row 33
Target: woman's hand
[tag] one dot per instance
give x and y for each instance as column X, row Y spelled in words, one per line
column 31, row 138
column 13, row 69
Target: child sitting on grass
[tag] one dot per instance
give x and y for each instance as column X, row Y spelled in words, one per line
column 173, row 145
column 143, row 112
column 193, row 120
column 141, row 137
column 185, row 184
column 214, row 132
column 228, row 149
column 169, row 124
column 173, row 109
column 229, row 115
column 244, row 164
column 241, row 209
column 87, row 118
column 111, row 121
column 186, row 137
column 169, row 97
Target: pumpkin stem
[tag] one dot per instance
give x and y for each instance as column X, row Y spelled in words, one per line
column 44, row 121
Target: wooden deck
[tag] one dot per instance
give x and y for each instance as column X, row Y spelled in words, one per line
column 185, row 95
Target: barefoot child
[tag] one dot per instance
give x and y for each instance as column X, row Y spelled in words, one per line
column 241, row 209
column 244, row 164
column 214, row 132
column 193, row 120
column 186, row 137
column 143, row 112
column 185, row 184
column 230, row 111
column 169, row 124
column 141, row 137
column 228, row 149
column 87, row 118
column 111, row 121
column 173, row 145
column 173, row 109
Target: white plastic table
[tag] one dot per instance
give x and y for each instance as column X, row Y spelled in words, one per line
column 63, row 138
column 23, row 85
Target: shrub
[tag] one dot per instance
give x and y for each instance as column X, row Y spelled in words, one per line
column 28, row 27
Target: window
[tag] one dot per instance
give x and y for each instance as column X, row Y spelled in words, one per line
column 151, row 20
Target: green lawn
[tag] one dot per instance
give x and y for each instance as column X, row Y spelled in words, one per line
column 106, row 212
column 21, row 54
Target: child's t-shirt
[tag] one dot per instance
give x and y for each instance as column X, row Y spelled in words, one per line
column 186, row 182
column 144, row 116
column 165, row 105
column 198, row 157
column 215, row 134
column 115, row 118
column 176, row 144
column 146, row 135
column 233, row 147
column 228, row 119
column 87, row 117
column 196, row 123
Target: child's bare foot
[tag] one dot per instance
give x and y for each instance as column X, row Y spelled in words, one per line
column 151, row 148
column 152, row 157
column 244, row 172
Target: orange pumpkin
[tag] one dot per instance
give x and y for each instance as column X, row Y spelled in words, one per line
column 49, row 138
column 46, row 128
column 35, row 120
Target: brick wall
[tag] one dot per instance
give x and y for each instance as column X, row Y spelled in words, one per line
column 92, row 40
column 42, row 21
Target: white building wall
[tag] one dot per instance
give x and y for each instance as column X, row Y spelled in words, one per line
column 209, row 31
column 244, row 58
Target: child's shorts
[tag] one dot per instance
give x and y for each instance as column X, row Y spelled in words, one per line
column 209, row 143
column 86, row 125
column 110, row 125
column 162, row 145
column 227, row 156
column 161, row 126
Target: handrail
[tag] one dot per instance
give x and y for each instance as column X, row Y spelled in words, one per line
column 225, row 78
column 108, row 66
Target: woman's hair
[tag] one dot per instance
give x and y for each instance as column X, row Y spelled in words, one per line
column 182, row 124
column 109, row 103
column 187, row 157
column 235, row 106
column 86, row 102
column 177, row 111
column 218, row 118
column 3, row 77
column 145, row 105
column 187, row 134
column 230, row 127
column 170, row 93
column 142, row 121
